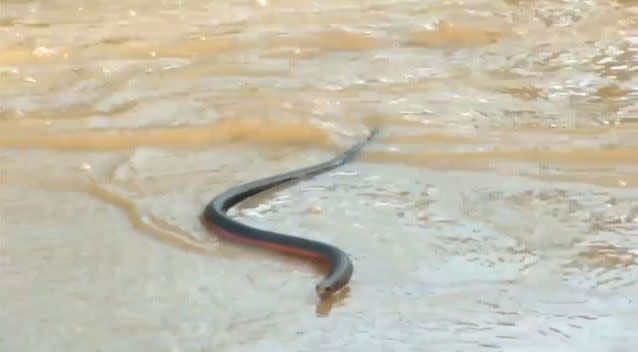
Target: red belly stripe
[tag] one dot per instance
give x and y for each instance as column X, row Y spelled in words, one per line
column 273, row 246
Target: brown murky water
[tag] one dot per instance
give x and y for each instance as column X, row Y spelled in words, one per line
column 498, row 210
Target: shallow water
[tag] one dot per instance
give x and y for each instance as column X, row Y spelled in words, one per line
column 497, row 210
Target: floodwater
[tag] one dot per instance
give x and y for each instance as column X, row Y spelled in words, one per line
column 497, row 210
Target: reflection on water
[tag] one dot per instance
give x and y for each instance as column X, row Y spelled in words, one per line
column 497, row 210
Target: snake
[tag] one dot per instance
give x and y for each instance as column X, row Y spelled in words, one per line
column 216, row 218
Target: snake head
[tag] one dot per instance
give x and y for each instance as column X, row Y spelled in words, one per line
column 324, row 290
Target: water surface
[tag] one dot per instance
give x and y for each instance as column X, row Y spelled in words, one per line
column 497, row 210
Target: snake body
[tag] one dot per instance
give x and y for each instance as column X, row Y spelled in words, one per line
column 216, row 218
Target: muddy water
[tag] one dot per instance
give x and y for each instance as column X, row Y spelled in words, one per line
column 498, row 210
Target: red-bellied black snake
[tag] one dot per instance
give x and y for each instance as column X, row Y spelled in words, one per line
column 341, row 266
